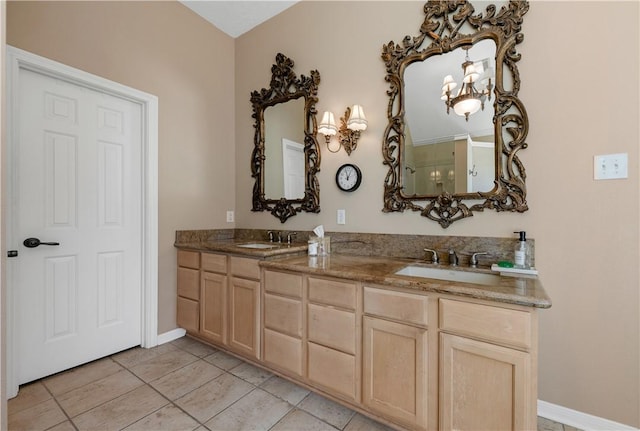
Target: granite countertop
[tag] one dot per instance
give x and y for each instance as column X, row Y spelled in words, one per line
column 233, row 246
column 381, row 271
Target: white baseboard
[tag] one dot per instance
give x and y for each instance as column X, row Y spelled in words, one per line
column 578, row 419
column 174, row 334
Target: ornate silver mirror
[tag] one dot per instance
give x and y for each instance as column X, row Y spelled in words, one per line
column 455, row 120
column 286, row 157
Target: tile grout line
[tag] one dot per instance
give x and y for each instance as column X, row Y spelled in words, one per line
column 64, row 412
column 171, row 402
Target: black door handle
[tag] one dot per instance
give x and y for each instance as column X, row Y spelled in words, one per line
column 34, row 242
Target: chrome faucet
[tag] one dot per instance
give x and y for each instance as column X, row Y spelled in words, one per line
column 453, row 258
column 271, row 235
column 434, row 256
column 290, row 236
column 474, row 258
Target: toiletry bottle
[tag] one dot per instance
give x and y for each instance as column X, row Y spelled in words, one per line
column 521, row 251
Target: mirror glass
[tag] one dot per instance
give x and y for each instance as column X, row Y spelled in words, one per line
column 286, row 156
column 455, row 122
column 284, row 150
column 446, row 152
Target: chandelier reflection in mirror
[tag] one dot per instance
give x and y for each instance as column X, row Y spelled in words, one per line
column 468, row 99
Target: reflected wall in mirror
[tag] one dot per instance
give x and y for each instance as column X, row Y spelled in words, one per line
column 284, row 150
column 286, row 156
column 455, row 120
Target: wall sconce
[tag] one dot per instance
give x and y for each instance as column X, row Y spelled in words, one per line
column 351, row 125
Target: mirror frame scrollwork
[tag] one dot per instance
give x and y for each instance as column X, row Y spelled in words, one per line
column 286, row 86
column 441, row 32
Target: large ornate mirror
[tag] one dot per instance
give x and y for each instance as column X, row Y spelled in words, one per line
column 286, row 156
column 456, row 123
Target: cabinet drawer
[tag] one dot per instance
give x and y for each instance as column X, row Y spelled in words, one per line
column 332, row 292
column 333, row 328
column 245, row 267
column 501, row 325
column 188, row 314
column 332, row 369
column 283, row 352
column 189, row 283
column 189, row 259
column 214, row 262
column 405, row 307
column 283, row 314
column 283, row 283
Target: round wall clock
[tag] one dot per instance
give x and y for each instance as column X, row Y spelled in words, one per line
column 348, row 177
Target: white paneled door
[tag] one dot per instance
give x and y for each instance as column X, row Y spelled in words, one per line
column 293, row 169
column 77, row 162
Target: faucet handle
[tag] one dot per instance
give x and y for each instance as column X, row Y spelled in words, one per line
column 434, row 255
column 453, row 258
column 474, row 258
column 270, row 233
column 290, row 235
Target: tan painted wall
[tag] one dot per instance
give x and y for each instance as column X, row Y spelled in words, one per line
column 164, row 49
column 579, row 61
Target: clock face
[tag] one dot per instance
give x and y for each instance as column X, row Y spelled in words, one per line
column 348, row 177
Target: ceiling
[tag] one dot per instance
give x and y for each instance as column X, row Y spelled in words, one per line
column 236, row 17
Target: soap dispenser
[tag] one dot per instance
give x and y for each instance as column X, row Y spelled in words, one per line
column 522, row 253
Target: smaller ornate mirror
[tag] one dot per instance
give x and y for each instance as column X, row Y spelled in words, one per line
column 286, row 157
column 456, row 123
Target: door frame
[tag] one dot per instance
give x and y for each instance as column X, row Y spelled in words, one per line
column 19, row 59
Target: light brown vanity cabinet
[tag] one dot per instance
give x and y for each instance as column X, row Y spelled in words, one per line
column 219, row 300
column 487, row 372
column 395, row 356
column 188, row 301
column 333, row 336
column 283, row 322
column 422, row 361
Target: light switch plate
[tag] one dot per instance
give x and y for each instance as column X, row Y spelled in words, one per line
column 610, row 166
column 341, row 217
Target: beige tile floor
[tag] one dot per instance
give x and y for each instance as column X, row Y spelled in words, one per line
column 182, row 385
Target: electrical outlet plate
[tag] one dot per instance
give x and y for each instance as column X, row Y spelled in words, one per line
column 230, row 217
column 610, row 166
column 341, row 217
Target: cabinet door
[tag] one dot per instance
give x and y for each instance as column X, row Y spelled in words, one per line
column 213, row 303
column 244, row 318
column 484, row 386
column 395, row 371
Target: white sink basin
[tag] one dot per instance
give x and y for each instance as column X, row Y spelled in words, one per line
column 449, row 275
column 258, row 245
